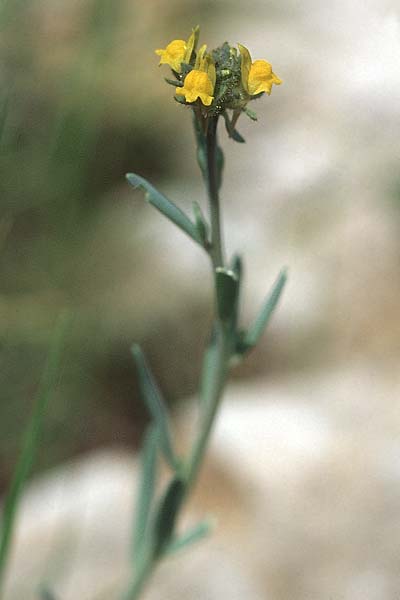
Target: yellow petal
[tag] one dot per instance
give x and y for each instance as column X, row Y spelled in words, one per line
column 199, row 65
column 261, row 78
column 173, row 55
column 191, row 44
column 197, row 84
column 245, row 66
column 211, row 72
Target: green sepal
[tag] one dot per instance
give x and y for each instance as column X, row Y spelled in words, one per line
column 147, row 483
column 164, row 205
column 165, row 519
column 185, row 68
column 227, row 285
column 254, row 333
column 256, row 96
column 156, row 406
column 173, row 82
column 251, row 114
column 180, row 99
column 194, row 535
column 203, row 228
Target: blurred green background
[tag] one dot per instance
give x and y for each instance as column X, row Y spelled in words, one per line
column 82, row 104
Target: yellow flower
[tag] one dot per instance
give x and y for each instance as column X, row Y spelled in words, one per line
column 200, row 82
column 197, row 85
column 178, row 52
column 257, row 76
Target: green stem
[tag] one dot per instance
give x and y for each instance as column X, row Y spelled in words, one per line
column 210, row 403
column 211, row 147
column 223, row 334
column 141, row 577
column 207, row 143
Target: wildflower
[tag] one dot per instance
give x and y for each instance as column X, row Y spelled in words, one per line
column 178, row 52
column 257, row 76
column 200, row 82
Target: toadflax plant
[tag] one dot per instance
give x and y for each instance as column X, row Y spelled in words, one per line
column 215, row 84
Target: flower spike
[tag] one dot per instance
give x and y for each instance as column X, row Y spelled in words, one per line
column 218, row 81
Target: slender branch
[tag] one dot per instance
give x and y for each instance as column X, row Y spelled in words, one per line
column 213, row 196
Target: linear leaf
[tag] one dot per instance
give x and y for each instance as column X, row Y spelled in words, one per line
column 256, row 330
column 165, row 206
column 31, row 440
column 146, row 490
column 191, row 537
column 167, row 513
column 232, row 132
column 156, row 405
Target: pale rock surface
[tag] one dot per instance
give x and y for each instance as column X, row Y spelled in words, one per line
column 303, row 480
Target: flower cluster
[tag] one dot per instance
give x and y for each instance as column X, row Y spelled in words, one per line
column 225, row 78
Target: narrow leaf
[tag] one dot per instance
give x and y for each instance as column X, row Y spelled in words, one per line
column 227, row 285
column 251, row 114
column 174, row 82
column 191, row 537
column 146, row 490
column 165, row 206
column 156, row 405
column 232, row 132
column 254, row 333
column 31, row 441
column 167, row 514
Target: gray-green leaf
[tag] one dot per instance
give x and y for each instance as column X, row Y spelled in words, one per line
column 156, row 405
column 191, row 537
column 146, row 490
column 256, row 330
column 251, row 114
column 165, row 206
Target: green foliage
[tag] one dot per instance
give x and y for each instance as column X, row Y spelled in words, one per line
column 255, row 331
column 31, row 441
column 146, row 492
column 194, row 535
column 156, row 406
